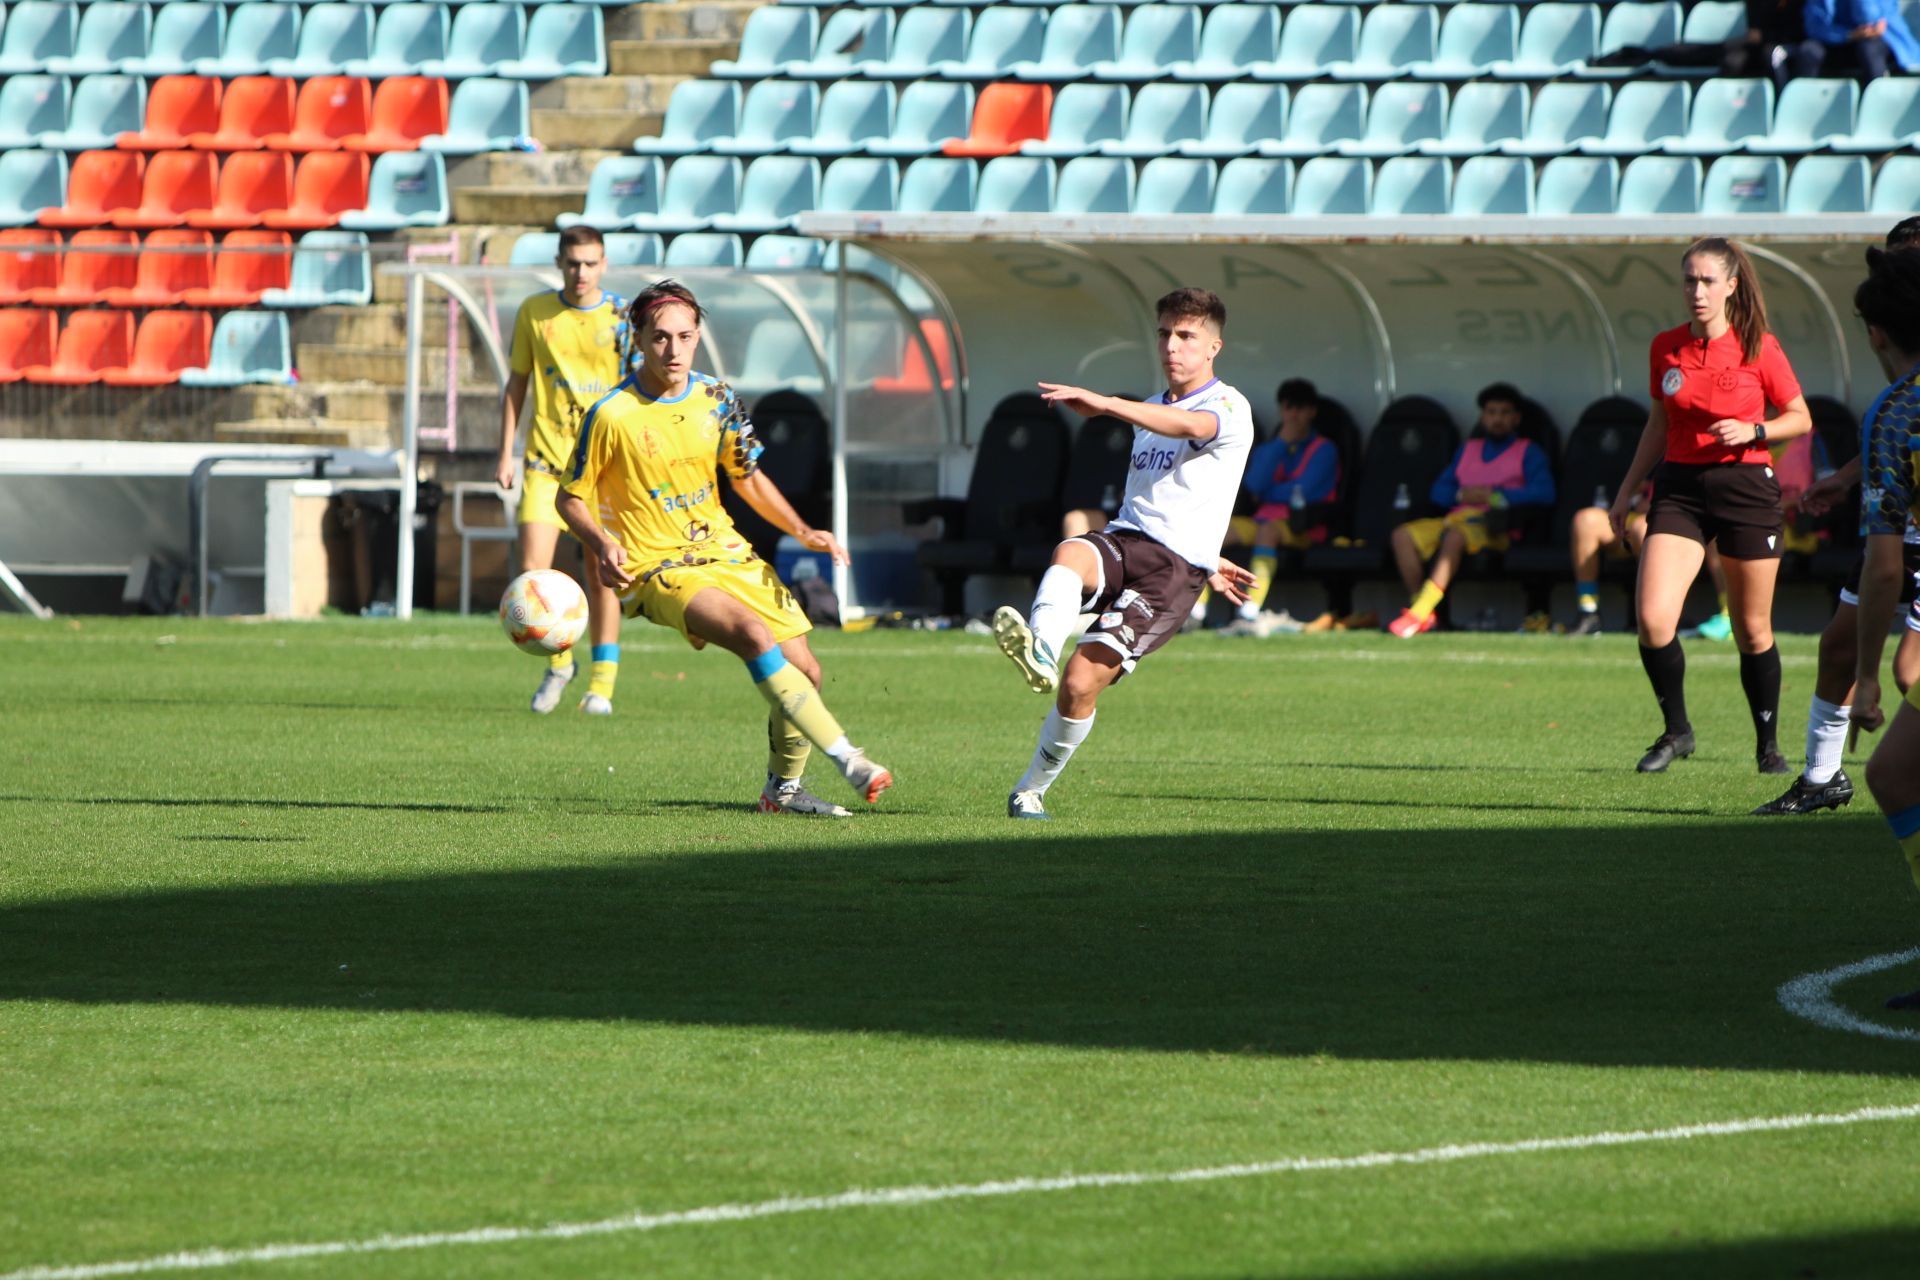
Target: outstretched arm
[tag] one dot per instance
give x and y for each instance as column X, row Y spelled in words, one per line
column 1162, row 420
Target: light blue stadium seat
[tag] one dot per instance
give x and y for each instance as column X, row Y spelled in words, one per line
column 1321, row 117
column 1571, row 185
column 1555, row 39
column 1400, row 118
column 1162, row 118
column 1714, row 21
column 484, row 115
column 1493, row 185
column 1408, row 185
column 32, row 106
column 30, row 180
column 110, row 31
column 184, row 32
column 1312, row 36
column 1015, row 184
column 248, row 347
column 406, row 189
column 925, row 36
column 697, row 189
column 854, row 114
column 1726, row 112
column 1084, row 116
column 482, row 37
column 331, row 35
column 620, row 189
column 330, row 269
column 631, row 249
column 851, row 41
column 1889, row 118
column 773, row 115
column 698, row 112
column 1896, row 188
column 535, row 249
column 1645, row 114
column 1392, row 38
column 257, row 33
column 37, row 32
column 562, row 40
column 1745, row 184
column 1095, row 184
column 1829, row 184
column 103, row 107
column 775, row 191
column 1635, row 24
column 939, row 184
column 1332, row 186
column 1474, row 38
column 1660, row 184
column 406, row 38
column 777, row 355
column 1564, row 114
column 703, row 249
column 1174, row 185
column 774, row 36
column 1239, row 119
column 860, row 184
column 1810, row 114
column 929, row 112
column 1002, row 35
column 786, row 253
column 1157, row 36
column 1253, row 185
column 1482, row 115
column 1233, row 38
column 1077, row 36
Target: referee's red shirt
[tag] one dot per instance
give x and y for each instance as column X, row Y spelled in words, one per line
column 1704, row 380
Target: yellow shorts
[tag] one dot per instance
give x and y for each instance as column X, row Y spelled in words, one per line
column 662, row 594
column 538, row 489
column 1426, row 533
column 1241, row 531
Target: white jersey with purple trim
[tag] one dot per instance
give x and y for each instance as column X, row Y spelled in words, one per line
column 1180, row 493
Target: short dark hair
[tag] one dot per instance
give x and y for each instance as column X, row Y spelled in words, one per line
column 1905, row 234
column 1505, row 392
column 1889, row 298
column 657, row 295
column 579, row 234
column 1190, row 301
column 1298, row 391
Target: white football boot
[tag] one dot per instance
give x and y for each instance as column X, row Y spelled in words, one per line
column 595, row 705
column 865, row 776
column 1027, row 804
column 790, row 795
column 552, row 685
column 1015, row 638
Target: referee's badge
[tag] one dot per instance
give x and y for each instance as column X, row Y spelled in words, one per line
column 1671, row 384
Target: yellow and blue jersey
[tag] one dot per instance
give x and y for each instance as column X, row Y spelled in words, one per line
column 1890, row 459
column 571, row 356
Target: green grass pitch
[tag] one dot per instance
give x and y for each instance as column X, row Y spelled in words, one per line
column 311, row 933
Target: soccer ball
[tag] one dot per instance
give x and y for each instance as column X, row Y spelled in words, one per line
column 544, row 612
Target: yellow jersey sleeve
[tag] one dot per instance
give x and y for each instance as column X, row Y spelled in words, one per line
column 739, row 449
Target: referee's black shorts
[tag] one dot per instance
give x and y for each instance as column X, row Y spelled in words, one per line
column 1735, row 503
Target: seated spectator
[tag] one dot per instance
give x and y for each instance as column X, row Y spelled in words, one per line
column 1295, row 478
column 1773, row 28
column 1592, row 535
column 1858, row 37
column 1492, row 473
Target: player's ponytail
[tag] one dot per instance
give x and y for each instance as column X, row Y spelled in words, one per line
column 1746, row 305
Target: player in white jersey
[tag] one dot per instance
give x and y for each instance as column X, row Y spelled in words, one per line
column 1142, row 573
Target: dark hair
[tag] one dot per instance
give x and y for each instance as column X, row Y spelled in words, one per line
column 1504, row 392
column 1889, row 298
column 578, row 234
column 1905, row 234
column 1298, row 391
column 657, row 295
column 1746, row 305
column 1194, row 302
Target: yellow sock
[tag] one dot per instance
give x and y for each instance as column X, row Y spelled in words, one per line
column 560, row 661
column 793, row 696
column 605, row 670
column 1723, row 602
column 1264, row 563
column 1427, row 601
column 787, row 748
column 1910, row 845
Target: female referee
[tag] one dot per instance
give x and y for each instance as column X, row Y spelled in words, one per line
column 1705, row 446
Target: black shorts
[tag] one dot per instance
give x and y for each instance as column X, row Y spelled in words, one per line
column 1736, row 504
column 1909, row 576
column 1146, row 592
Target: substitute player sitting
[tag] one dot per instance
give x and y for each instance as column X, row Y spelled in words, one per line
column 643, row 497
column 1142, row 572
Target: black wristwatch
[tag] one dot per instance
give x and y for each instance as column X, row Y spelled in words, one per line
column 1759, row 433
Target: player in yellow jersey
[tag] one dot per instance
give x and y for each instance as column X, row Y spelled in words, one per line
column 643, row 497
column 570, row 347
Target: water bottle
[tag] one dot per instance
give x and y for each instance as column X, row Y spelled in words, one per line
column 1296, row 510
column 1110, row 499
column 1600, row 498
column 805, row 569
column 1402, row 502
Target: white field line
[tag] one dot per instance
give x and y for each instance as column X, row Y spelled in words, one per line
column 897, row 1197
column 1810, row 996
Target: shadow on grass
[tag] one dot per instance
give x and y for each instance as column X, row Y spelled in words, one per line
column 275, row 802
column 1659, row 947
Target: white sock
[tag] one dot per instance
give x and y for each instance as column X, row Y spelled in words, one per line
column 841, row 749
column 1826, row 740
column 1056, row 607
column 1058, row 738
column 1247, row 612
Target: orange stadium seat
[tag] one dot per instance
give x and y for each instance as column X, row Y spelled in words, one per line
column 167, row 342
column 85, row 276
column 177, row 183
column 177, row 108
column 239, row 278
column 161, row 278
column 327, row 110
column 27, row 335
column 93, row 341
column 252, row 183
column 252, row 108
column 405, row 110
column 326, row 185
column 98, row 184
column 23, row 272
column 1004, row 116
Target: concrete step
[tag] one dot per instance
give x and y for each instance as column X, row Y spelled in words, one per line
column 706, row 21
column 349, row 402
column 374, row 326
column 518, row 205
column 563, row 131
column 606, row 93
column 568, row 168
column 383, row 365
column 341, row 432
column 667, row 57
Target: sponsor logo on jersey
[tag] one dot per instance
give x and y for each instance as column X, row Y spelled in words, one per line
column 1153, row 460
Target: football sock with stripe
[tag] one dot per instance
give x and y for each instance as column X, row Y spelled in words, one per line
column 1589, row 596
column 561, row 661
column 1760, row 677
column 1906, row 829
column 1266, row 561
column 1056, row 607
column 1826, row 739
column 793, row 696
column 1059, row 737
column 605, row 670
column 1666, row 669
column 1427, row 600
column 787, row 748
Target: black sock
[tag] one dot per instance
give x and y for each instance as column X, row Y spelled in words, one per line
column 1760, row 677
column 1667, row 672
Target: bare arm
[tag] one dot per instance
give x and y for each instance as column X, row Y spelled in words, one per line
column 1794, row 420
column 1879, row 597
column 599, row 544
column 765, row 497
column 1162, row 420
column 511, row 402
column 1652, row 447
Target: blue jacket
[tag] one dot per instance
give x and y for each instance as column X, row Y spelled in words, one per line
column 1318, row 480
column 1829, row 21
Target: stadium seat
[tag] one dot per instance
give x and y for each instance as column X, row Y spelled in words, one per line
column 1660, row 184
column 1015, row 184
column 1393, row 38
column 1714, row 22
column 177, row 108
column 1489, row 184
column 774, row 191
column 406, row 109
column 406, row 37
column 484, row 115
column 777, row 355
column 620, row 189
column 1828, row 184
column 1312, row 36
column 99, row 183
column 244, row 268
column 1240, row 118
column 1157, row 37
column 1570, row 185
column 94, row 262
column 698, row 112
column 1234, row 37
column 1745, row 184
column 786, row 253
column 1094, row 184
column 31, row 182
column 32, row 107
column 170, row 262
column 165, row 343
column 1002, row 35
column 248, row 347
column 1811, row 114
column 326, row 184
column 536, row 249
column 1254, row 185
column 1564, row 114
column 27, row 262
column 1399, row 119
column 1598, row 452
column 184, row 32
column 1005, row 116
column 103, row 108
column 1474, row 38
column 1162, row 118
column 629, row 249
column 1726, row 112
column 110, row 32
column 1077, row 36
column 696, row 189
column 1407, row 449
column 92, row 341
column 703, row 249
column 1326, row 186
column 774, row 114
column 1645, row 114
column 853, row 115
column 252, row 184
column 1084, row 117
column 775, row 36
column 1321, row 118
column 1646, row 26
column 1407, row 185
column 916, row 375
column 930, row 113
column 860, row 184
column 251, row 108
column 405, row 189
column 1889, row 118
column 27, row 338
column 1174, row 185
column 1896, row 188
column 1482, row 115
column 938, row 184
column 482, row 37
column 257, row 33
column 1556, row 39
column 328, row 109
column 851, row 41
column 37, row 32
column 175, row 184
column 331, row 35
column 926, row 36
column 330, row 268
column 562, row 40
